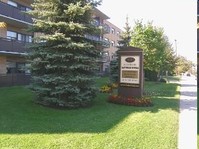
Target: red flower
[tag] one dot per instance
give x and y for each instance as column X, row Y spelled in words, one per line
column 130, row 100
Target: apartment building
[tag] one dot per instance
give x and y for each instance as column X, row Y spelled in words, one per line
column 113, row 36
column 99, row 19
column 13, row 35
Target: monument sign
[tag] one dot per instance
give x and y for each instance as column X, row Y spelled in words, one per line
column 131, row 72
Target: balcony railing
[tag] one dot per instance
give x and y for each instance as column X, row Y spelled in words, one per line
column 104, row 57
column 12, row 46
column 106, row 28
column 14, row 13
column 104, row 43
column 14, row 79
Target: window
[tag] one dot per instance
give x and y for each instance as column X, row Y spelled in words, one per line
column 28, row 38
column 106, row 39
column 95, row 22
column 28, row 9
column 112, row 43
column 112, row 30
column 11, row 35
column 118, row 44
column 20, row 67
column 24, row 38
column 12, row 3
column 118, row 33
column 21, row 37
column 11, row 67
column 106, row 28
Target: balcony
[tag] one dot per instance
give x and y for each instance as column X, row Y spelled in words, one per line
column 8, row 13
column 106, row 28
column 102, row 42
column 104, row 58
column 9, row 46
column 105, row 43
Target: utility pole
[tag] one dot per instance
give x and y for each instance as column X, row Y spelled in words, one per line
column 176, row 47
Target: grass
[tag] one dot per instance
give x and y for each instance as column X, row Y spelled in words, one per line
column 24, row 124
column 198, row 141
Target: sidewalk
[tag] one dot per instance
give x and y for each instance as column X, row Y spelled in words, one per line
column 187, row 138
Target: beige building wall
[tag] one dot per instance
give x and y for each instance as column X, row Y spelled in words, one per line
column 5, row 1
column 113, row 37
column 18, row 59
column 3, row 69
column 3, row 31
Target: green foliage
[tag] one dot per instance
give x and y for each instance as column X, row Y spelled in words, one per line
column 183, row 65
column 63, row 60
column 126, row 35
column 114, row 70
column 158, row 53
column 150, row 75
column 164, row 80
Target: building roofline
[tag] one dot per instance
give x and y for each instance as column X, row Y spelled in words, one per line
column 108, row 22
column 12, row 53
column 100, row 13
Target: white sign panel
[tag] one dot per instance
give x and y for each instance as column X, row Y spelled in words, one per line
column 129, row 71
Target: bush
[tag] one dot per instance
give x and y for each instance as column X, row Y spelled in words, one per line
column 114, row 71
column 164, row 80
column 150, row 75
column 108, row 88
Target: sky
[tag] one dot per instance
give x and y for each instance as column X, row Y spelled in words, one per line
column 178, row 18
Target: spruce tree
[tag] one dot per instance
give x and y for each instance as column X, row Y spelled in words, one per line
column 126, row 35
column 63, row 60
column 124, row 42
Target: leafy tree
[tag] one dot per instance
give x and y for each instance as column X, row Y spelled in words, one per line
column 63, row 60
column 124, row 42
column 170, row 60
column 183, row 65
column 155, row 45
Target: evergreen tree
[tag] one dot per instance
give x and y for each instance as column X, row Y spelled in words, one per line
column 63, row 60
column 124, row 42
column 126, row 35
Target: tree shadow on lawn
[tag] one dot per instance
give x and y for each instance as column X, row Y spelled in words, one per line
column 19, row 115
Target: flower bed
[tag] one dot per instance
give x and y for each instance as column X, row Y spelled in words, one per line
column 140, row 102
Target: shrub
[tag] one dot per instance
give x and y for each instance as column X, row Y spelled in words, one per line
column 106, row 89
column 164, row 80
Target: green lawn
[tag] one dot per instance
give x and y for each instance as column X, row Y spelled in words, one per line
column 25, row 125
